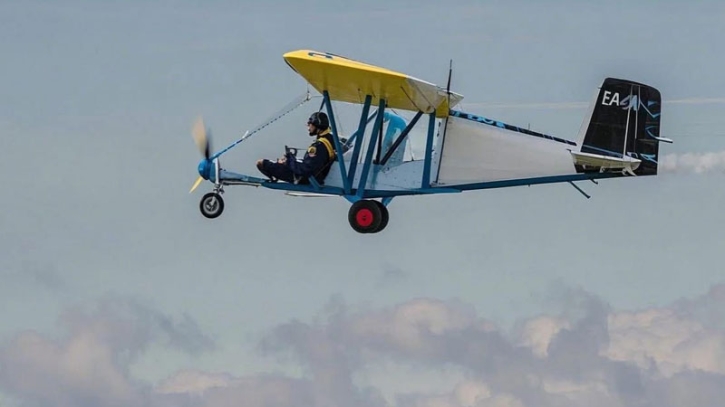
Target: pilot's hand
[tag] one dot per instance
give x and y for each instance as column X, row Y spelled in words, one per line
column 281, row 160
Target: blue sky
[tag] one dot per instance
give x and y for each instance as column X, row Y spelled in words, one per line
column 98, row 102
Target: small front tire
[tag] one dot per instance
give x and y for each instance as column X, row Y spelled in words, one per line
column 211, row 205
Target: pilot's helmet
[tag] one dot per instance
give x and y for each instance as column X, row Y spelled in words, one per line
column 319, row 120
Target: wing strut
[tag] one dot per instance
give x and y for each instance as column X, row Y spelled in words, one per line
column 445, row 124
column 294, row 104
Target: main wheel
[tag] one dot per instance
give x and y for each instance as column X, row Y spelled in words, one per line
column 211, row 205
column 384, row 218
column 365, row 216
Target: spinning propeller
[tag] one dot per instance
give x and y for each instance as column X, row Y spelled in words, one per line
column 202, row 138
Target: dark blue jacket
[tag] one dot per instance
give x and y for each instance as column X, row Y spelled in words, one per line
column 317, row 159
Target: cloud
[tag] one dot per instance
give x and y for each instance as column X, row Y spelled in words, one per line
column 670, row 342
column 698, row 163
column 81, row 371
column 131, row 327
column 537, row 333
column 586, row 354
column 195, row 382
column 220, row 390
column 89, row 366
column 695, row 101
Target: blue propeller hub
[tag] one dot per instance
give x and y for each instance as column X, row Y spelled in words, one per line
column 205, row 169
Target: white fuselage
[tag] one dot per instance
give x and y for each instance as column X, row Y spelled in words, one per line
column 468, row 152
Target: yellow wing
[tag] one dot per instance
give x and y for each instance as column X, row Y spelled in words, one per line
column 347, row 80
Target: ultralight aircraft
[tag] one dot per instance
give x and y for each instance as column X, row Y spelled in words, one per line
column 619, row 137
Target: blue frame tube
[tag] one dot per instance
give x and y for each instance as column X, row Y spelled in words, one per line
column 371, row 149
column 425, row 181
column 360, row 134
column 338, row 147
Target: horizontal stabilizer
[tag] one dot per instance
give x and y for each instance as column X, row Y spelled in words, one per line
column 596, row 162
column 663, row 139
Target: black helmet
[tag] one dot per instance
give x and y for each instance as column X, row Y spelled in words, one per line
column 319, row 120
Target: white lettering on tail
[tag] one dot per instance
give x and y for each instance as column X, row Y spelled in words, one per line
column 610, row 99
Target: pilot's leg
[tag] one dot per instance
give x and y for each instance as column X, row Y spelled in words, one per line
column 262, row 166
column 275, row 171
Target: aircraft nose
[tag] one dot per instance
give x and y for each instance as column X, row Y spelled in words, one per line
column 205, row 169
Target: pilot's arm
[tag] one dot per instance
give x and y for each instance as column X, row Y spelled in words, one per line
column 315, row 158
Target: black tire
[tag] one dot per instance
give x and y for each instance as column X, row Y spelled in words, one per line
column 211, row 205
column 365, row 216
column 385, row 216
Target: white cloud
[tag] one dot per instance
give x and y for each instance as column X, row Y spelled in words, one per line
column 670, row 341
column 589, row 355
column 698, row 163
column 90, row 365
column 468, row 393
column 195, row 382
column 411, row 325
column 537, row 333
column 65, row 374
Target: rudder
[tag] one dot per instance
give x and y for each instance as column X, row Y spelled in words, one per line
column 625, row 120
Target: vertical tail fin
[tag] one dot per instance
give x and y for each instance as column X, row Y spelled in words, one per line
column 624, row 124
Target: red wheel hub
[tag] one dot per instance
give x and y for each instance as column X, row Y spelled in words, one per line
column 364, row 217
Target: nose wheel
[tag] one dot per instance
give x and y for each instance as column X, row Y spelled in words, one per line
column 368, row 216
column 211, row 205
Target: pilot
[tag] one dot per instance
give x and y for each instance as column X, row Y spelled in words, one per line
column 317, row 159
